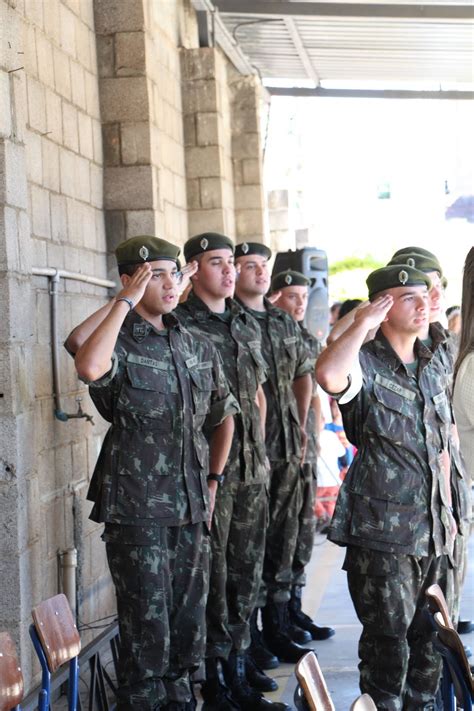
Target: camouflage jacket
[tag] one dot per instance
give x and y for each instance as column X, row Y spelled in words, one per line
column 313, row 346
column 153, row 464
column 394, row 496
column 287, row 359
column 237, row 339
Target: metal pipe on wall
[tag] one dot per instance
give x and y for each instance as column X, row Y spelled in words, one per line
column 54, row 276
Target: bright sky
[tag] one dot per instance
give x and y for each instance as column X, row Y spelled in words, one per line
column 334, row 155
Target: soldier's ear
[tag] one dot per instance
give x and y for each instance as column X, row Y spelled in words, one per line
column 125, row 279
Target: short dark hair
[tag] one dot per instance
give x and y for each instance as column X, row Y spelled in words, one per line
column 128, row 269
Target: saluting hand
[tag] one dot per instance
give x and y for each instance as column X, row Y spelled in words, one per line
column 137, row 283
column 375, row 312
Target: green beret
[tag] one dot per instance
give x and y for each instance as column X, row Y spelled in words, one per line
column 145, row 248
column 288, row 278
column 206, row 242
column 394, row 275
column 419, row 258
column 245, row 249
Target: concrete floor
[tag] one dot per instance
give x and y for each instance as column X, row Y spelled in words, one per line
column 327, row 600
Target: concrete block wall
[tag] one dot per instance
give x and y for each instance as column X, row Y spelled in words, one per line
column 50, row 216
column 249, row 103
column 141, row 111
column 207, row 137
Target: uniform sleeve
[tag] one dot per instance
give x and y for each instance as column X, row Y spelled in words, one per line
column 223, row 403
column 108, row 377
column 304, row 362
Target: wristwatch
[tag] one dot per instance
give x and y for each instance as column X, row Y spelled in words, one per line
column 216, row 477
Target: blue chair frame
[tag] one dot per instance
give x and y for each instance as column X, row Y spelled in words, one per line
column 453, row 679
column 44, row 697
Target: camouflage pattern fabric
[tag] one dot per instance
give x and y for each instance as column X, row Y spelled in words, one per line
column 241, row 511
column 149, row 486
column 313, row 347
column 154, row 460
column 306, row 518
column 161, row 593
column 306, row 524
column 394, row 496
column 236, row 337
column 237, row 545
column 287, row 359
column 399, row 666
column 285, row 506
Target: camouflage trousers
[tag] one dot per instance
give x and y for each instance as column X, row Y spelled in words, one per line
column 307, row 524
column 161, row 587
column 237, row 543
column 286, row 500
column 399, row 666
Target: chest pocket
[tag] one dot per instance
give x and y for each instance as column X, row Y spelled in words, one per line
column 391, row 405
column 201, row 386
column 144, row 389
column 442, row 407
column 255, row 367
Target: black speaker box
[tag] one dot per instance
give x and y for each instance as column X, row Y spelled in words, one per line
column 313, row 263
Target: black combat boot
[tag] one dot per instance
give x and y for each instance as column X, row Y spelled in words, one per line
column 298, row 617
column 257, row 678
column 276, row 633
column 214, row 691
column 298, row 634
column 258, row 651
column 247, row 698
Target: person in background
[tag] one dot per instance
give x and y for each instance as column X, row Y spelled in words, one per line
column 463, row 397
column 329, row 481
column 288, row 391
column 334, row 312
column 453, row 314
column 292, row 287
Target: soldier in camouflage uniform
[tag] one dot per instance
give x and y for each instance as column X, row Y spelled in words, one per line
column 241, row 512
column 398, row 509
column 292, row 287
column 445, row 346
column 288, row 391
column 156, row 383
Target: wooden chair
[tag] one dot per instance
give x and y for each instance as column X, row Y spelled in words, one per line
column 56, row 641
column 456, row 670
column 311, row 682
column 11, row 678
column 437, row 603
column 363, row 703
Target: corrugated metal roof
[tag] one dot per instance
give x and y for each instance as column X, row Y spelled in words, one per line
column 396, row 45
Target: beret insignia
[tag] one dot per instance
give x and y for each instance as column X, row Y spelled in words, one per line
column 411, row 262
column 288, row 279
column 245, row 248
column 403, row 276
column 204, row 243
column 144, row 253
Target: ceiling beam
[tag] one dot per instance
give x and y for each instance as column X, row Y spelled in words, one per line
column 319, row 92
column 301, row 50
column 275, row 8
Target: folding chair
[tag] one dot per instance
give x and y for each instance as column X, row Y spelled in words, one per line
column 312, row 692
column 457, row 676
column 56, row 641
column 11, row 678
column 363, row 703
